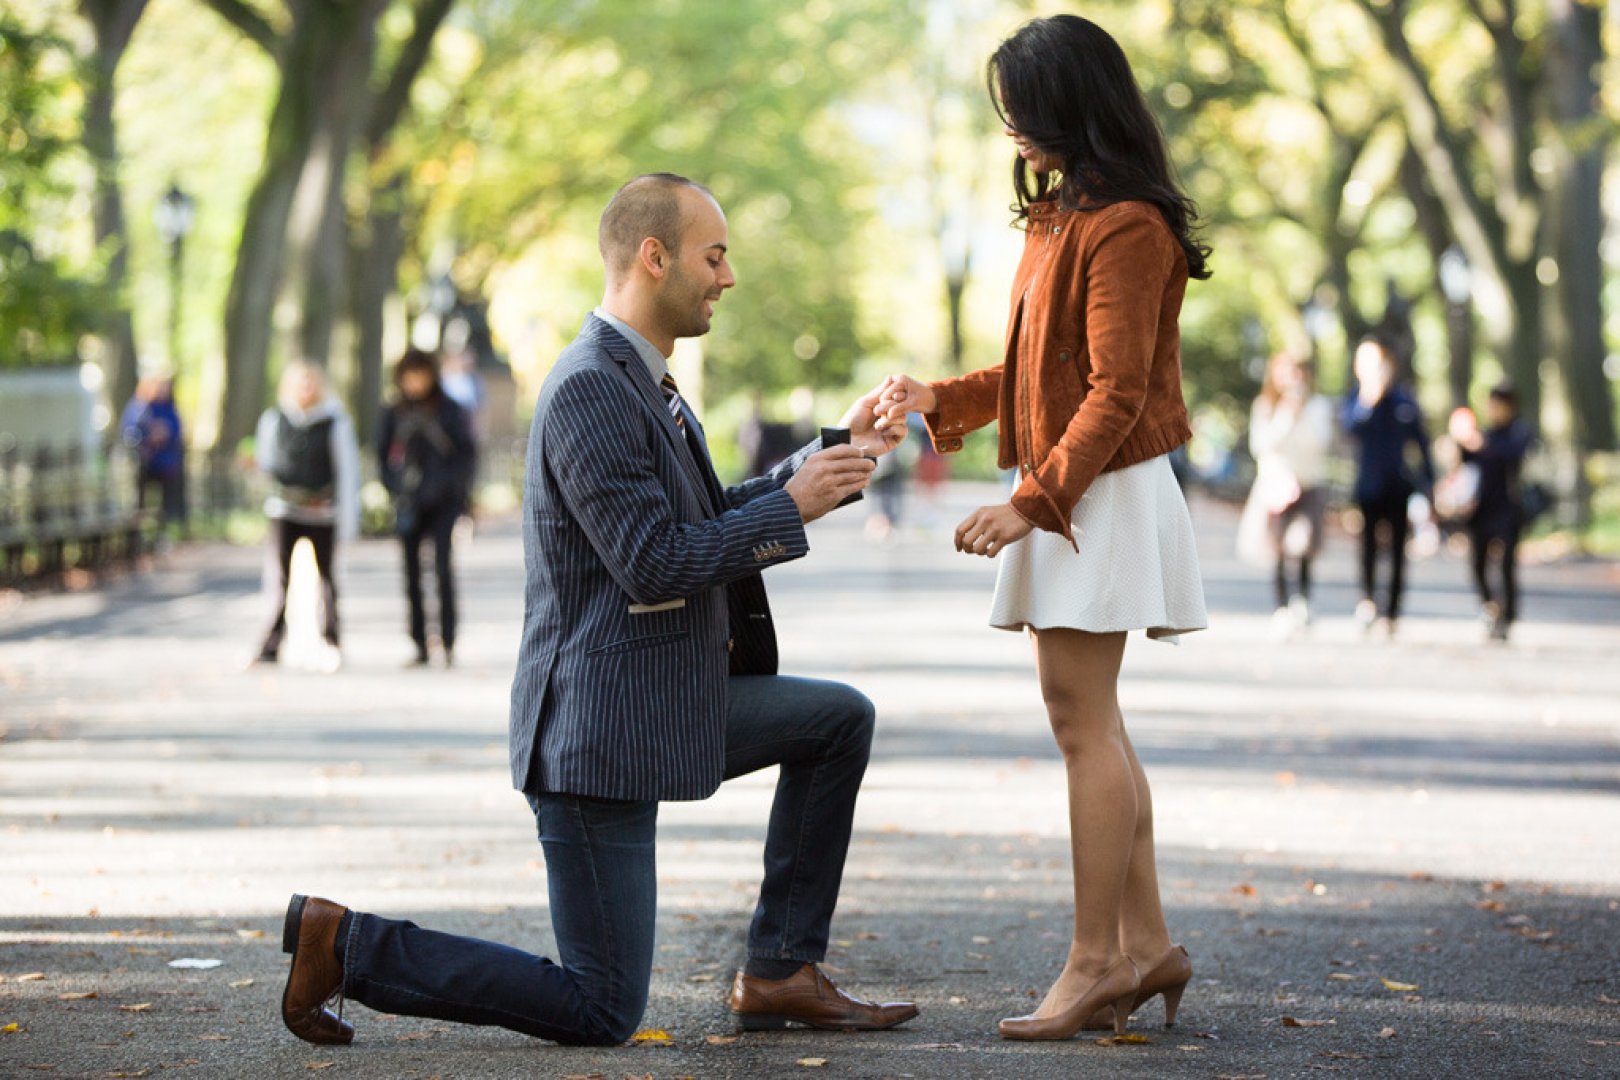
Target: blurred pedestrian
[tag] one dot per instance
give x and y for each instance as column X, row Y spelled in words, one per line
column 427, row 459
column 1498, row 517
column 1096, row 539
column 1290, row 436
column 305, row 444
column 1392, row 465
column 151, row 429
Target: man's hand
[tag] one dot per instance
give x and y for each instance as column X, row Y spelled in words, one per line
column 989, row 529
column 826, row 478
column 899, row 395
column 866, row 432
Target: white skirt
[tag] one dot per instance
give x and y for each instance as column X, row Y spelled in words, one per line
column 1137, row 567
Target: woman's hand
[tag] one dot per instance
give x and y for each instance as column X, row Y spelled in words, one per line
column 899, row 395
column 989, row 529
column 867, row 432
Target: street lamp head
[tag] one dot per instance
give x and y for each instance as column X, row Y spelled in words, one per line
column 1456, row 276
column 174, row 215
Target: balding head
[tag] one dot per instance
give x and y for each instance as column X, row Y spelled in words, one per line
column 648, row 206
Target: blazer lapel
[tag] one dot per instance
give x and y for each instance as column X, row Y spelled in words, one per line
column 652, row 398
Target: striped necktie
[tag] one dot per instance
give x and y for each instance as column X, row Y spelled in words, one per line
column 672, row 399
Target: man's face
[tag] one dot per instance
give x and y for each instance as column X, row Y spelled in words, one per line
column 699, row 272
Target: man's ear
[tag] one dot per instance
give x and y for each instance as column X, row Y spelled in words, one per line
column 653, row 256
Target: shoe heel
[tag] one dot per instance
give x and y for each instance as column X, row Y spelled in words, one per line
column 289, row 925
column 1122, row 1011
column 1172, row 1002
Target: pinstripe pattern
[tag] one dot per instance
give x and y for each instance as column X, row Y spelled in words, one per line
column 640, row 567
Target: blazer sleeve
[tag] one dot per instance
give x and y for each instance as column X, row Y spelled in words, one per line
column 773, row 480
column 599, row 449
column 1130, row 262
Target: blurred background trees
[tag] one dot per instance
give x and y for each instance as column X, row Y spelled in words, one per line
column 351, row 171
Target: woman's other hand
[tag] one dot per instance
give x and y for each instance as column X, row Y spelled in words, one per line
column 989, row 529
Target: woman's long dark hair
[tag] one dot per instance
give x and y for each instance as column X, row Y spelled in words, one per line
column 1066, row 86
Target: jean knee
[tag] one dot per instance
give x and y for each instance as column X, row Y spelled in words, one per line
column 613, row 1025
column 860, row 718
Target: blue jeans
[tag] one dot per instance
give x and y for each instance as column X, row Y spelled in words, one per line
column 602, row 879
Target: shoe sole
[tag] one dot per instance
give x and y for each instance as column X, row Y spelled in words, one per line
column 774, row 1022
column 289, row 945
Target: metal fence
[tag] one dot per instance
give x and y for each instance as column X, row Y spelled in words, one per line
column 62, row 509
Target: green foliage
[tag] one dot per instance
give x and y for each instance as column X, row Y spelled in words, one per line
column 48, row 300
column 741, row 96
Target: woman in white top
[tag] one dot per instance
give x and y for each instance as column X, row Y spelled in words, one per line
column 1291, row 437
column 305, row 444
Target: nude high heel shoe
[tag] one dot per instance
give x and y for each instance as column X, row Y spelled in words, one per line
column 1117, row 986
column 1169, row 977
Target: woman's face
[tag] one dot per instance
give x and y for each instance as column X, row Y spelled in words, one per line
column 416, row 384
column 1371, row 364
column 1039, row 160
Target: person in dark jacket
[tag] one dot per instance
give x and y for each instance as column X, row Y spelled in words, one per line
column 426, row 458
column 1498, row 452
column 151, row 428
column 1392, row 464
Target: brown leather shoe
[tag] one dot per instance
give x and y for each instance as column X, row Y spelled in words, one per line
column 310, row 935
column 809, row 997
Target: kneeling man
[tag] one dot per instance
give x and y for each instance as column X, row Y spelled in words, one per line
column 647, row 672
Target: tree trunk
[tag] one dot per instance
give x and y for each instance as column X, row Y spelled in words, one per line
column 1577, row 51
column 319, row 235
column 313, row 51
column 1431, row 222
column 376, row 265
column 113, row 21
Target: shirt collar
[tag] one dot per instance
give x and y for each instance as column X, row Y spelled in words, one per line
column 656, row 362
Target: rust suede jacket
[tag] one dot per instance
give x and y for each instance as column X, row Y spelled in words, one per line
column 1091, row 377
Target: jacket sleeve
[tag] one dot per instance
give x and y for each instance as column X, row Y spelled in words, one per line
column 1128, row 267
column 966, row 404
column 346, row 478
column 773, row 480
column 458, row 425
column 385, row 439
column 599, row 451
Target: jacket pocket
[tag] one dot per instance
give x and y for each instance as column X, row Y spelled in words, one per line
column 637, row 643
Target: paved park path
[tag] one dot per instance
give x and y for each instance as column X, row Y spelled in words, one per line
column 1387, row 859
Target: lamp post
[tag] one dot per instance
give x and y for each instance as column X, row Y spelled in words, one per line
column 174, row 214
column 1457, row 286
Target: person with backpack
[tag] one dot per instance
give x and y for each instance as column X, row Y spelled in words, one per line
column 426, row 458
column 305, row 445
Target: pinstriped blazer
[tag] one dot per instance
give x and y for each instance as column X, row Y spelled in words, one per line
column 643, row 586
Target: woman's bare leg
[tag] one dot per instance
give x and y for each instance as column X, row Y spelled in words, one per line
column 1079, row 675
column 1143, row 934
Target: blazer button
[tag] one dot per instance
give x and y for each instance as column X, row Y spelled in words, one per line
column 731, row 644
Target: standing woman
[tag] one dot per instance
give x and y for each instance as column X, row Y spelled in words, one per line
column 426, row 458
column 305, row 445
column 1392, row 464
column 1291, row 436
column 1096, row 540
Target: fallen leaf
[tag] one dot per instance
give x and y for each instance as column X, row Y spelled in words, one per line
column 142, row 1007
column 32, row 976
column 1605, row 999
column 1130, row 1037
column 413, row 1036
column 316, row 1066
column 10, row 1029
column 1398, row 987
column 700, row 978
column 812, row 1063
column 1490, row 905
column 82, row 995
column 1494, row 886
column 653, row 1036
column 720, row 1040
column 1343, row 977
column 1289, row 1021
column 215, row 1038
column 1190, row 1046
column 241, row 984
column 1589, row 1042
column 250, row 935
column 1387, row 1033
column 1245, row 889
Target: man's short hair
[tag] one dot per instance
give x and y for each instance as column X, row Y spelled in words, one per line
column 646, row 206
